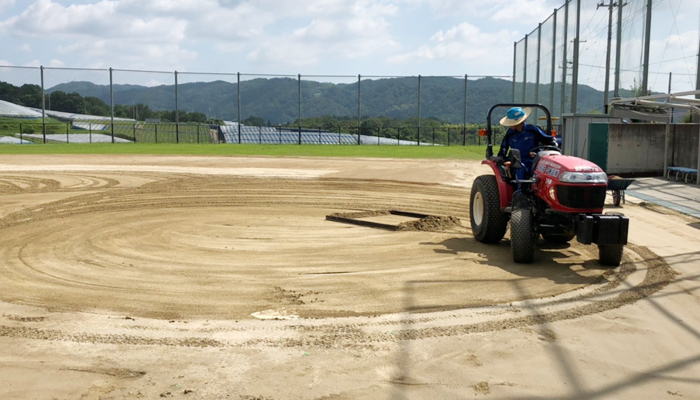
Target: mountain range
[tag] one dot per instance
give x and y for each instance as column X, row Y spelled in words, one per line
column 276, row 100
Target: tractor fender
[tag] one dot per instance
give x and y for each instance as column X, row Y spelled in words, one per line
column 505, row 191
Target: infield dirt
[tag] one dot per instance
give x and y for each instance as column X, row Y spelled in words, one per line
column 220, row 277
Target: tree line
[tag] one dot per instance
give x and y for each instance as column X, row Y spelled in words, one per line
column 29, row 95
column 383, row 126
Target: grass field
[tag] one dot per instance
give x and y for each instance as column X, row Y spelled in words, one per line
column 434, row 152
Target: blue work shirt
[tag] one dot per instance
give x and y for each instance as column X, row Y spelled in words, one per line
column 530, row 137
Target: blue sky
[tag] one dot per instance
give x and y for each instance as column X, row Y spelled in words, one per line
column 310, row 37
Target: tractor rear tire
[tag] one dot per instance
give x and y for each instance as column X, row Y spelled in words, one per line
column 610, row 254
column 488, row 223
column 559, row 238
column 522, row 236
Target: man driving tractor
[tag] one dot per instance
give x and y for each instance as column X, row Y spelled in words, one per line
column 523, row 137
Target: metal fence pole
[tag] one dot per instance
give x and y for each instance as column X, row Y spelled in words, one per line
column 177, row 114
column 539, row 65
column 564, row 58
column 554, row 61
column 43, row 104
column 464, row 124
column 697, row 78
column 299, row 103
column 606, row 95
column 111, row 102
column 618, row 48
column 515, row 63
column 525, row 69
column 574, row 78
column 647, row 45
column 359, row 107
column 238, row 88
column 419, row 96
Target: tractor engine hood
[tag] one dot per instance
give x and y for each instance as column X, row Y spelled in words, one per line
column 572, row 170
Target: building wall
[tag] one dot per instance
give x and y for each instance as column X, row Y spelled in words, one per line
column 636, row 148
column 684, row 139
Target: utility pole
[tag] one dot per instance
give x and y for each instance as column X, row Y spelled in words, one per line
column 647, row 45
column 577, row 40
column 697, row 73
column 618, row 47
column 606, row 94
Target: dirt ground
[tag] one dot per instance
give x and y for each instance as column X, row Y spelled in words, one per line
column 141, row 277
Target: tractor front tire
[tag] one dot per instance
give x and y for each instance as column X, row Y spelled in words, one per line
column 488, row 223
column 610, row 254
column 522, row 236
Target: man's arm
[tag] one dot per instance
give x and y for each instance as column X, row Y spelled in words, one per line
column 503, row 151
column 543, row 138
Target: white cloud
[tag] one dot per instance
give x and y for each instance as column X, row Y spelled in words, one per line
column 5, row 4
column 465, row 44
column 25, row 47
column 339, row 30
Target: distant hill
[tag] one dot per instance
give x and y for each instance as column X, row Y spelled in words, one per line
column 276, row 99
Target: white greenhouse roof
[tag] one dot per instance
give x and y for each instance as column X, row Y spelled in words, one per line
column 11, row 110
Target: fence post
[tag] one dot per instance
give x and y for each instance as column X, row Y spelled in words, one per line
column 90, row 132
column 299, row 103
column 448, row 136
column 198, row 125
column 525, row 70
column 433, row 136
column 419, row 96
column 177, row 114
column 111, row 102
column 464, row 121
column 359, row 107
column 67, row 129
column 156, row 126
column 134, row 129
column 238, row 88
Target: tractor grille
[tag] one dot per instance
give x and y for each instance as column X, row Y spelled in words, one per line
column 583, row 197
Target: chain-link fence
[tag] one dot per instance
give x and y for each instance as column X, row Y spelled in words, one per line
column 198, row 107
column 624, row 48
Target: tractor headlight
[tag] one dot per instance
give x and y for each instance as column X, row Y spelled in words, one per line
column 583, row 177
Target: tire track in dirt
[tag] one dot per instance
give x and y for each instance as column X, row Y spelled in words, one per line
column 161, row 206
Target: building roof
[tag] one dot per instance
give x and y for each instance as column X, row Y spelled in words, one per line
column 11, row 110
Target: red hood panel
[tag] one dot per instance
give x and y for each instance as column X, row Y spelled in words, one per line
column 569, row 163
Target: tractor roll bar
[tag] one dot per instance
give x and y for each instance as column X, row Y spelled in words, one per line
column 489, row 143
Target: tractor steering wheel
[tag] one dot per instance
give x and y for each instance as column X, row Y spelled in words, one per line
column 544, row 147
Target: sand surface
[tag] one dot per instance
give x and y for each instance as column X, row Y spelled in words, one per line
column 220, row 277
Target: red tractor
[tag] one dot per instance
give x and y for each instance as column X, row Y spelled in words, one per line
column 563, row 199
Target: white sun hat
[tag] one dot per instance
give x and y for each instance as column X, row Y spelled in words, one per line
column 515, row 115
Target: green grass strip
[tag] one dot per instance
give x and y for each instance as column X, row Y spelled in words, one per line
column 370, row 151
